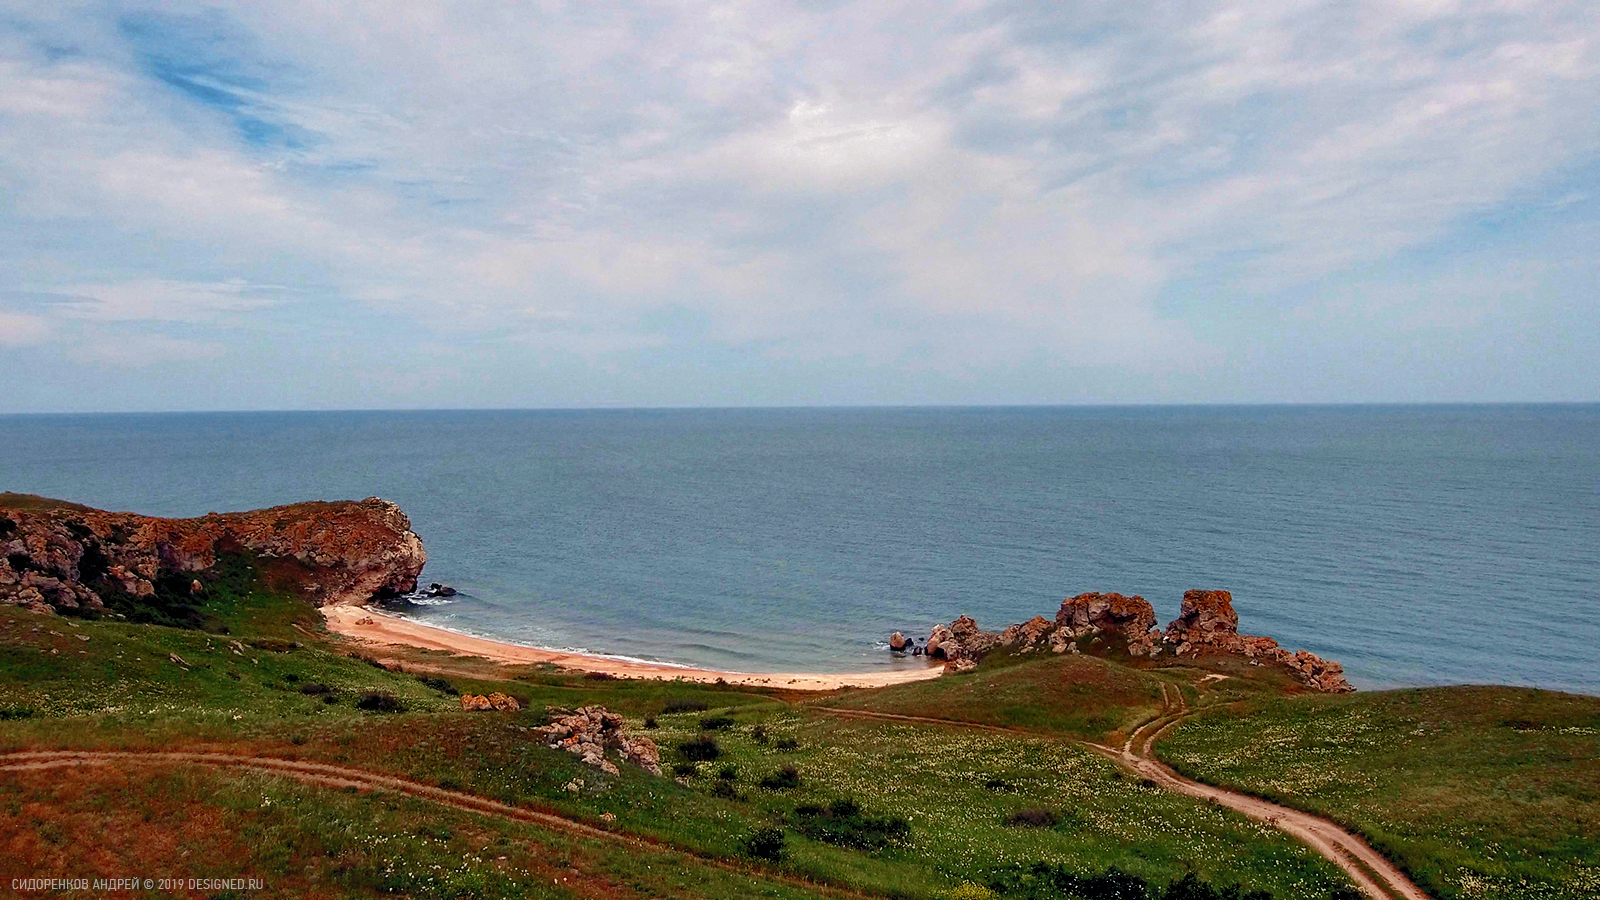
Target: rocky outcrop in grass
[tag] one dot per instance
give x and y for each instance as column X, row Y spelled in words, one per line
column 64, row 557
column 1206, row 624
column 590, row 731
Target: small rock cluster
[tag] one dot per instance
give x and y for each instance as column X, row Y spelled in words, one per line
column 590, row 731
column 1207, row 623
column 496, row 701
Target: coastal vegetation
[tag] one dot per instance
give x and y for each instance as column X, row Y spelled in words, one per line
column 258, row 743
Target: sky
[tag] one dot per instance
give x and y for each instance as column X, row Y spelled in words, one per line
column 295, row 204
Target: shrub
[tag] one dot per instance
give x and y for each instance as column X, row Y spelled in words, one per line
column 701, row 749
column 378, row 701
column 784, row 779
column 679, row 706
column 314, row 687
column 786, row 744
column 843, row 824
column 272, row 645
column 15, row 712
column 765, row 843
column 728, row 773
column 291, row 677
column 759, row 734
column 999, row 785
column 650, row 723
column 440, row 685
column 685, row 769
column 1033, row 818
column 716, row 723
column 600, row 676
column 724, row 789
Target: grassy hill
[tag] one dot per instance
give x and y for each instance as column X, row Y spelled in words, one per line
column 873, row 806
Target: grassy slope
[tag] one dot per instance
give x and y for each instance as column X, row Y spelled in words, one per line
column 319, row 843
column 119, row 689
column 1478, row 792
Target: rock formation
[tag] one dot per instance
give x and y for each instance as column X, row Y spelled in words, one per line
column 1204, row 613
column 898, row 643
column 1206, row 623
column 592, row 730
column 496, row 701
column 1111, row 614
column 66, row 557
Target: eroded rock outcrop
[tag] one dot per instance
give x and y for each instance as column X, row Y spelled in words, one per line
column 66, row 557
column 590, row 731
column 1206, row 623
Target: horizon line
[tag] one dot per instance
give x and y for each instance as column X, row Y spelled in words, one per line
column 824, row 406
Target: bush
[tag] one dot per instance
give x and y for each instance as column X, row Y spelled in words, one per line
column 716, row 723
column 685, row 769
column 1033, row 818
column 786, row 744
column 377, row 701
column 843, row 824
column 272, row 645
column 999, row 785
column 600, row 676
column 725, row 790
column 728, row 773
column 702, row 749
column 784, row 779
column 650, row 723
column 440, row 685
column 679, row 706
column 765, row 843
column 759, row 734
column 314, row 687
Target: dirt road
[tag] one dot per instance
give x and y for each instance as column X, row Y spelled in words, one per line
column 326, row 775
column 1375, row 875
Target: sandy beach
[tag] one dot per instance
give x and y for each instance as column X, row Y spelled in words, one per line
column 384, row 630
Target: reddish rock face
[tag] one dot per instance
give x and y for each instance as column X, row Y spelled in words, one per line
column 59, row 555
column 1204, row 613
column 1111, row 613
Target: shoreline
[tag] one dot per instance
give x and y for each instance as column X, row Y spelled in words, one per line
column 387, row 630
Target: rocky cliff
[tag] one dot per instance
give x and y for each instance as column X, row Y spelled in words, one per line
column 1206, row 624
column 69, row 558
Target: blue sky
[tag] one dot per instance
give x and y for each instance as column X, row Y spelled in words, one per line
column 288, row 204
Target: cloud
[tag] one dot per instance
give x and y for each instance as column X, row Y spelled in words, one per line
column 860, row 190
column 17, row 330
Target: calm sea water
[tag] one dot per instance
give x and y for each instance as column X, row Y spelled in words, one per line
column 1418, row 545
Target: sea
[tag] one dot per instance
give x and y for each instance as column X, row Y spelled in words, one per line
column 1418, row 545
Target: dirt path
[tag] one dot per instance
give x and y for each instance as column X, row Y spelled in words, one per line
column 1376, row 876
column 327, row 775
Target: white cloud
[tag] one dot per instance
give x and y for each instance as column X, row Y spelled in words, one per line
column 874, row 182
column 17, row 330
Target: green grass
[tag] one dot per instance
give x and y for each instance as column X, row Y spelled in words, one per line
column 1479, row 795
column 1478, row 792
column 316, row 842
column 1081, row 696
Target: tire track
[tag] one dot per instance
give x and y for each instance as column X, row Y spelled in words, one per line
column 335, row 776
column 1373, row 873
